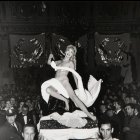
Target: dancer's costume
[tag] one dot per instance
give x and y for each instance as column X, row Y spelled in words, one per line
column 88, row 97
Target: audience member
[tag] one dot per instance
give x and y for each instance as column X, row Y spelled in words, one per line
column 8, row 105
column 132, row 128
column 13, row 102
column 118, row 118
column 25, row 117
column 11, row 130
column 102, row 111
column 29, row 132
column 21, row 103
column 106, row 130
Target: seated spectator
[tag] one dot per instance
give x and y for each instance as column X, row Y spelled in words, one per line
column 25, row 117
column 29, row 103
column 137, row 110
column 118, row 118
column 29, row 132
column 13, row 102
column 110, row 112
column 133, row 99
column 132, row 128
column 102, row 111
column 123, row 96
column 2, row 104
column 8, row 105
column 21, row 103
column 127, row 99
column 11, row 129
column 106, row 130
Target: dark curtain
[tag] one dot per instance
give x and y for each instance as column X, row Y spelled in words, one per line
column 135, row 56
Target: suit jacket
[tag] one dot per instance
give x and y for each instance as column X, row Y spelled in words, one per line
column 119, row 123
column 20, row 119
column 121, row 117
column 134, row 132
column 2, row 119
column 8, row 132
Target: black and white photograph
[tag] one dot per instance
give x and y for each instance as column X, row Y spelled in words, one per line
column 69, row 70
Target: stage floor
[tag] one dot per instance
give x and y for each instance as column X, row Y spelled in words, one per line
column 52, row 130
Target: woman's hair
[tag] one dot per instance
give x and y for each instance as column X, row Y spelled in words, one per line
column 73, row 58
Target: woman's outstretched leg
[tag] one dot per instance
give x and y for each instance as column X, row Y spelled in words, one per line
column 78, row 102
column 55, row 94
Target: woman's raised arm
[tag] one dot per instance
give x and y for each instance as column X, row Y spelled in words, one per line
column 50, row 59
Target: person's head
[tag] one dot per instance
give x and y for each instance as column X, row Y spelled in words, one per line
column 8, row 104
column 102, row 108
column 28, row 102
column 21, row 103
column 70, row 52
column 106, row 129
column 118, row 104
column 110, row 112
column 11, row 115
column 29, row 132
column 12, row 101
column 2, row 103
column 137, row 110
column 127, row 100
column 25, row 109
column 129, row 108
column 133, row 100
column 123, row 95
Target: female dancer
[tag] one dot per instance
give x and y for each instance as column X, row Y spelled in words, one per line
column 59, row 87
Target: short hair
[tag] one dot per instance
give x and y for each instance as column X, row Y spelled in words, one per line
column 131, row 105
column 135, row 98
column 25, row 106
column 29, row 125
column 105, row 121
column 120, row 102
column 137, row 106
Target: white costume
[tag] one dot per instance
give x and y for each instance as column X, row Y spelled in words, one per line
column 88, row 97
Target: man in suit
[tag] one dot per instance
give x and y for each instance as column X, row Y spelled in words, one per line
column 118, row 118
column 25, row 117
column 2, row 117
column 132, row 122
column 11, row 130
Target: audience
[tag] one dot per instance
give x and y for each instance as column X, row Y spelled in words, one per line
column 119, row 105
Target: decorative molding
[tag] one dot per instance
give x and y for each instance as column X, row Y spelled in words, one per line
column 25, row 17
column 31, row 28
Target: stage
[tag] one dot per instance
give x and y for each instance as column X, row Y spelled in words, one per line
column 50, row 129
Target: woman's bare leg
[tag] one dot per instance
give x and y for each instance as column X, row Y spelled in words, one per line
column 55, row 94
column 78, row 102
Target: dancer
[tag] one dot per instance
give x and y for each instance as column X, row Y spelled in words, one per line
column 60, row 88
